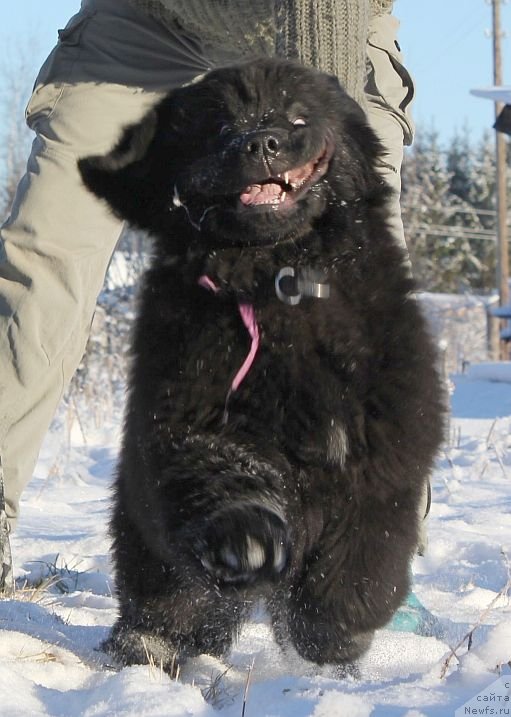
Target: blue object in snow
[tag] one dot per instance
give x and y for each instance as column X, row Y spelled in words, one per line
column 412, row 616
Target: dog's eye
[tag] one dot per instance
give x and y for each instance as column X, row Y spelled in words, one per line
column 225, row 129
column 299, row 122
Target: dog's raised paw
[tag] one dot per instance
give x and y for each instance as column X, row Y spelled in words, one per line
column 243, row 543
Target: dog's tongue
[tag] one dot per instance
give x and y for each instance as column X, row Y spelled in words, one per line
column 268, row 193
column 275, row 192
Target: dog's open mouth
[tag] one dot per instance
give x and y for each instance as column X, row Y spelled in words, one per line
column 283, row 190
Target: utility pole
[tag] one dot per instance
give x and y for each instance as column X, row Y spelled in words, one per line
column 500, row 148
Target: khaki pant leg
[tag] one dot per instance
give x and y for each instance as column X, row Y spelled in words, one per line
column 110, row 65
column 389, row 92
column 390, row 133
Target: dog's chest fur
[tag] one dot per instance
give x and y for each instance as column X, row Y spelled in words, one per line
column 306, row 376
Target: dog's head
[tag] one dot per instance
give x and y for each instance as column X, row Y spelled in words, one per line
column 249, row 155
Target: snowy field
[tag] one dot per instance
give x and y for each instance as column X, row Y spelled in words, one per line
column 64, row 604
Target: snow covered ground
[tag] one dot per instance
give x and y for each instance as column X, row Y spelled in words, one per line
column 64, row 605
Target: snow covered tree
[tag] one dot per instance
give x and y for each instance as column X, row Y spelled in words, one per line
column 448, row 210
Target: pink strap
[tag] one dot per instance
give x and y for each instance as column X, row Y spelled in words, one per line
column 247, row 314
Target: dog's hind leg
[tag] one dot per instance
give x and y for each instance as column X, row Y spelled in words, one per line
column 350, row 584
column 321, row 635
column 318, row 633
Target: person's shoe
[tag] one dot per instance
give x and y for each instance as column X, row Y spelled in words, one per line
column 412, row 616
column 6, row 575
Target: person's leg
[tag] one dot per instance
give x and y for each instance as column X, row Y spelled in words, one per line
column 6, row 578
column 389, row 93
column 110, row 65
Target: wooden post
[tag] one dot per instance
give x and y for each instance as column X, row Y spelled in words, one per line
column 493, row 327
column 500, row 148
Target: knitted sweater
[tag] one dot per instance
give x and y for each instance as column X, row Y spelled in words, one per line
column 327, row 34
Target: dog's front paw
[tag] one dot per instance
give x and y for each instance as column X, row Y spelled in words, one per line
column 244, row 543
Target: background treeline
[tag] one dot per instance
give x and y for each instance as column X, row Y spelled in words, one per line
column 449, row 211
column 448, row 196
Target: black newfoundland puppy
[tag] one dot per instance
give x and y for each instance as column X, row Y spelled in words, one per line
column 284, row 408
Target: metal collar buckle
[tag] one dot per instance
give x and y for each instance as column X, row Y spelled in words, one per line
column 306, row 283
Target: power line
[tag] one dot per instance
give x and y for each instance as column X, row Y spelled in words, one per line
column 455, row 210
column 451, row 232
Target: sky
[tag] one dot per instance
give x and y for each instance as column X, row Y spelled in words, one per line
column 446, row 44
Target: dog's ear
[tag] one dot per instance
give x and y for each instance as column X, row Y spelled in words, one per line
column 113, row 175
column 132, row 146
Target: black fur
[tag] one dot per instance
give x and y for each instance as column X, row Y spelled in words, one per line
column 303, row 485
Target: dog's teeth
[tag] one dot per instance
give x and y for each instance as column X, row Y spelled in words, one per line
column 176, row 201
column 286, row 177
column 283, row 197
column 279, row 559
column 255, row 554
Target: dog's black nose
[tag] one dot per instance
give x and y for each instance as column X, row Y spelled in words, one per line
column 261, row 143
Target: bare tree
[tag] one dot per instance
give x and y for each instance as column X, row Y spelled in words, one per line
column 16, row 71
